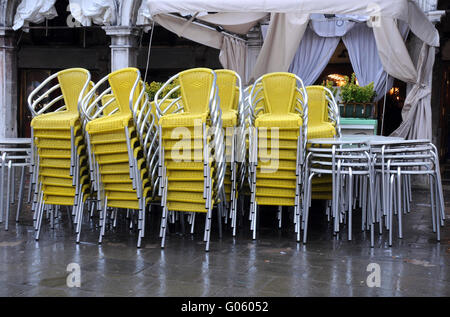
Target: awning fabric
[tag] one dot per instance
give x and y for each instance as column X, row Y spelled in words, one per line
column 33, row 11
column 405, row 10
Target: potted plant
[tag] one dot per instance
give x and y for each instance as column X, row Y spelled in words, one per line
column 154, row 86
column 357, row 101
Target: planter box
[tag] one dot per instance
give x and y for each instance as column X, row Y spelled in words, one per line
column 352, row 126
column 358, row 110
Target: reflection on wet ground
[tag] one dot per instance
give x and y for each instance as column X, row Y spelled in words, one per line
column 273, row 265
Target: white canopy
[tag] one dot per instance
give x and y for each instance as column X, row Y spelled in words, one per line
column 405, row 10
column 289, row 21
column 33, row 11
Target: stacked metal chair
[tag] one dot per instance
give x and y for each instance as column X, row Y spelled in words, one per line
column 278, row 142
column 120, row 128
column 12, row 157
column 59, row 158
column 192, row 151
column 231, row 104
column 395, row 163
column 344, row 162
column 323, row 122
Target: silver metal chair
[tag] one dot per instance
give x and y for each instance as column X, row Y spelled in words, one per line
column 348, row 161
column 12, row 158
column 395, row 163
column 126, row 101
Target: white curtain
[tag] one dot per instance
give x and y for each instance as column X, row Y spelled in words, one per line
column 312, row 56
column 363, row 54
column 233, row 55
column 101, row 12
column 416, row 111
column 395, row 58
column 364, row 57
column 34, row 11
column 281, row 43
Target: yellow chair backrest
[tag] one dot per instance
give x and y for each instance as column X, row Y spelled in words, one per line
column 195, row 85
column 236, row 98
column 109, row 108
column 279, row 91
column 72, row 81
column 226, row 81
column 317, row 105
column 121, row 82
column 163, row 107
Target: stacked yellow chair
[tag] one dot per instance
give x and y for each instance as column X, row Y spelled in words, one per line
column 60, row 166
column 192, row 153
column 230, row 94
column 278, row 142
column 323, row 122
column 118, row 131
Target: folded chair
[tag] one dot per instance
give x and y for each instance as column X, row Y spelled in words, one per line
column 59, row 160
column 191, row 147
column 278, row 142
column 120, row 128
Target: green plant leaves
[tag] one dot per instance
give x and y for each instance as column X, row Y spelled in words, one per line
column 351, row 92
column 154, row 86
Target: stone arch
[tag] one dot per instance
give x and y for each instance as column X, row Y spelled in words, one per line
column 7, row 12
column 128, row 12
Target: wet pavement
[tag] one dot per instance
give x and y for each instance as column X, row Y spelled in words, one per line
column 273, row 265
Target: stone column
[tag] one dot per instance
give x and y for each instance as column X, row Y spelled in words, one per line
column 124, row 44
column 8, row 84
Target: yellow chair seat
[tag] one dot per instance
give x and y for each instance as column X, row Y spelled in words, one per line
column 276, row 154
column 322, row 196
column 109, row 124
column 277, row 174
column 281, row 183
column 186, row 119
column 55, row 120
column 183, row 196
column 186, row 186
column 324, row 130
column 229, row 118
column 285, row 121
column 195, row 166
column 275, row 192
column 186, row 206
column 281, row 164
column 275, row 201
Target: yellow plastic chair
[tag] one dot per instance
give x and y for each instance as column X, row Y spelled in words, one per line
column 278, row 142
column 231, row 103
column 60, row 173
column 191, row 175
column 119, row 132
column 323, row 113
column 323, row 122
